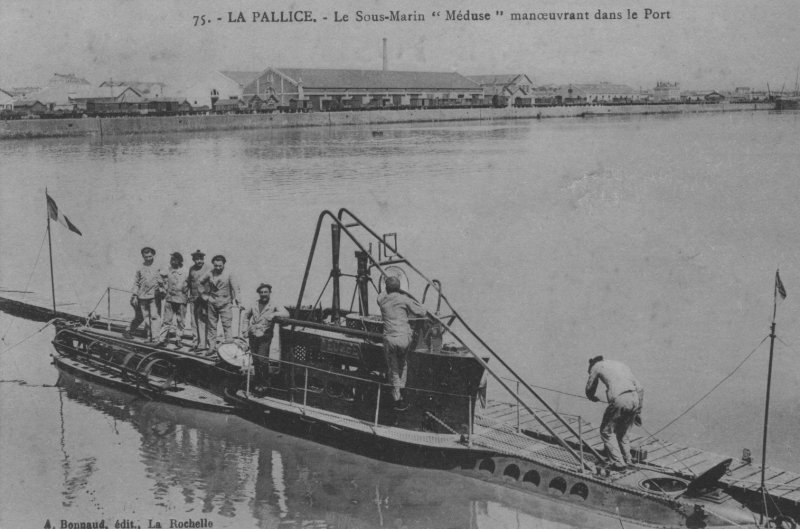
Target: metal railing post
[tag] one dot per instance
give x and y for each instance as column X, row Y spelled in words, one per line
column 580, row 440
column 249, row 367
column 518, row 426
column 378, row 404
column 471, row 425
column 108, row 299
column 305, row 390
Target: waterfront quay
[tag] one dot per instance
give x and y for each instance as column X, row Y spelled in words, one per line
column 123, row 126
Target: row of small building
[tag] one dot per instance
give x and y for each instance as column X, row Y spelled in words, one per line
column 310, row 89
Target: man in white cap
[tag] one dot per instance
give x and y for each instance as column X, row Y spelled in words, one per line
column 145, row 284
column 176, row 296
column 258, row 325
column 625, row 397
column 199, row 310
column 396, row 308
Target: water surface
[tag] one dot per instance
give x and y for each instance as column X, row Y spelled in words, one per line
column 652, row 240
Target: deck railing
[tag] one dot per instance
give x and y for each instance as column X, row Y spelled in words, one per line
column 377, row 385
column 345, row 221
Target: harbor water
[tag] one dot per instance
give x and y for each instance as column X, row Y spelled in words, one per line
column 653, row 240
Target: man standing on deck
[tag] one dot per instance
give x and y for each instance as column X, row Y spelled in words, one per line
column 625, row 398
column 223, row 294
column 199, row 304
column 176, row 297
column 396, row 307
column 143, row 300
column 258, row 326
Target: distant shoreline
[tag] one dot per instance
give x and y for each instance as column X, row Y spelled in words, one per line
column 124, row 126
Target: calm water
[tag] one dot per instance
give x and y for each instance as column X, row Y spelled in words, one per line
column 651, row 240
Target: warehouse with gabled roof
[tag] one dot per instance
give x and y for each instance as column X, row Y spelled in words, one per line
column 314, row 89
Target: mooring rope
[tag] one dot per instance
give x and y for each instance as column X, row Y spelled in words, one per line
column 7, row 349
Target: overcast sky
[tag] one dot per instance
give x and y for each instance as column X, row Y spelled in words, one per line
column 719, row 44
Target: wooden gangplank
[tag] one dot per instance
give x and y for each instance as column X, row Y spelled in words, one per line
column 782, row 484
column 683, row 459
column 673, row 456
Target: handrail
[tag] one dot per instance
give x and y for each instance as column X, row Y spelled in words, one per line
column 561, row 441
column 353, row 377
column 358, row 223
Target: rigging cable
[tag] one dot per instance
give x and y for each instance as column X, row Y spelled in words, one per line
column 46, row 325
column 72, row 282
column 687, row 410
column 718, row 384
column 30, row 277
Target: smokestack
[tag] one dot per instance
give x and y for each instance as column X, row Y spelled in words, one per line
column 385, row 56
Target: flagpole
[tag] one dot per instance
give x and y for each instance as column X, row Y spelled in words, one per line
column 769, row 384
column 50, row 249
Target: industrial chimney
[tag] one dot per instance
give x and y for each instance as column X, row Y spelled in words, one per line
column 385, row 56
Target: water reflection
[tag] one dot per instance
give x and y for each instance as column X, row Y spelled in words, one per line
column 653, row 240
column 255, row 477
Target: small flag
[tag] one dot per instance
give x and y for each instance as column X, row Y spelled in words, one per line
column 55, row 214
column 779, row 285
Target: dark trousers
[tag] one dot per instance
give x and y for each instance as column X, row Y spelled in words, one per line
column 259, row 348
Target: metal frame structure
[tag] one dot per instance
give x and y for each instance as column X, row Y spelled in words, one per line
column 344, row 221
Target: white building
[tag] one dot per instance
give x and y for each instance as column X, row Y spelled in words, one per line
column 210, row 88
column 599, row 93
column 665, row 91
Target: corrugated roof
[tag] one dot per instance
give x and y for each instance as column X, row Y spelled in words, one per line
column 112, row 92
column 313, row 78
column 228, row 102
column 605, row 88
column 61, row 95
column 242, row 78
column 499, row 79
column 27, row 102
column 66, row 78
column 143, row 87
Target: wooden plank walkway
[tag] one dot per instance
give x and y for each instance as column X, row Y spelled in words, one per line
column 508, row 441
column 678, row 458
column 430, row 439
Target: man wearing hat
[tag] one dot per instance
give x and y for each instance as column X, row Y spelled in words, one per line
column 396, row 307
column 146, row 282
column 258, row 325
column 199, row 306
column 625, row 397
column 176, row 296
column 222, row 292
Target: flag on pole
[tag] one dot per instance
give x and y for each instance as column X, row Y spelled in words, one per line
column 55, row 214
column 779, row 286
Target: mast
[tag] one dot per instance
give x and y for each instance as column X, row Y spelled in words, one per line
column 335, row 271
column 777, row 290
column 362, row 281
column 50, row 251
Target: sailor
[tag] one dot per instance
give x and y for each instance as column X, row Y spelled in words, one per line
column 396, row 307
column 222, row 292
column 625, row 397
column 175, row 298
column 146, row 282
column 199, row 305
column 258, row 325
